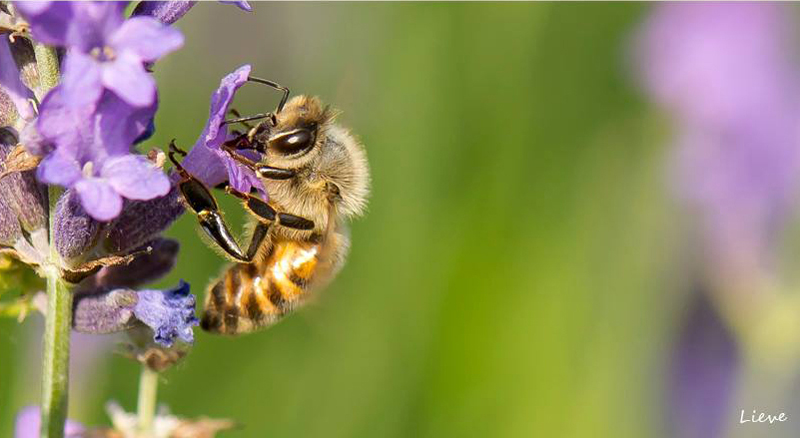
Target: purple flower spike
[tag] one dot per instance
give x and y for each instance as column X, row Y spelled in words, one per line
column 206, row 160
column 27, row 424
column 704, row 369
column 166, row 12
column 105, row 50
column 727, row 74
column 10, row 82
column 169, row 313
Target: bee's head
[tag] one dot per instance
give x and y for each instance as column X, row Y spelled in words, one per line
column 297, row 132
column 305, row 139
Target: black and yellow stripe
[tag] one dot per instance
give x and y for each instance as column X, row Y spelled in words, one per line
column 250, row 296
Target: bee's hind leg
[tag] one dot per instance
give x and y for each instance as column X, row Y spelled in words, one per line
column 200, row 200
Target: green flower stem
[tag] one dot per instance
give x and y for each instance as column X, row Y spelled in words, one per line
column 47, row 66
column 55, row 364
column 148, row 392
column 58, row 322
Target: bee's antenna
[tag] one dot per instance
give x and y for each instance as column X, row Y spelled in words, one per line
column 275, row 86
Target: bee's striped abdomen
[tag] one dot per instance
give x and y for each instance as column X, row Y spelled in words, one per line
column 250, row 296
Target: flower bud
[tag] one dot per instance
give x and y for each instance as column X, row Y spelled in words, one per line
column 143, row 269
column 166, row 12
column 22, row 193
column 10, row 230
column 75, row 231
column 141, row 221
column 104, row 313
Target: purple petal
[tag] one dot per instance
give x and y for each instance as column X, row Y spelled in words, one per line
column 78, row 25
column 128, row 79
column 48, row 20
column 59, row 169
column 206, row 165
column 705, row 364
column 134, row 177
column 166, row 12
column 81, row 83
column 169, row 313
column 34, row 143
column 243, row 5
column 214, row 133
column 121, row 124
column 11, row 84
column 33, row 7
column 27, row 424
column 99, row 199
column 69, row 128
column 242, row 178
column 147, row 38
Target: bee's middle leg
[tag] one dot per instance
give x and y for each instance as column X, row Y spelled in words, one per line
column 266, row 213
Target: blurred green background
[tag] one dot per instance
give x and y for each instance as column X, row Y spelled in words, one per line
column 509, row 277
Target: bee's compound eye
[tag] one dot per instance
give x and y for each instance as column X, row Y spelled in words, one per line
column 292, row 142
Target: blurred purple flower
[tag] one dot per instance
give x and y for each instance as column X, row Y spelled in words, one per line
column 704, row 368
column 27, row 425
column 206, row 160
column 724, row 72
column 169, row 12
column 169, row 313
column 11, row 84
column 105, row 50
column 243, row 5
column 92, row 153
column 166, row 12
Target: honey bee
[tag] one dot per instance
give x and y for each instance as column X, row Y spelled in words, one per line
column 317, row 178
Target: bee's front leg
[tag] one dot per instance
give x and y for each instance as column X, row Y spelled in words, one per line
column 262, row 170
column 200, row 200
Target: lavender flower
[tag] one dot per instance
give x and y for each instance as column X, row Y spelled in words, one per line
column 726, row 76
column 27, row 425
column 206, row 160
column 105, row 51
column 724, row 72
column 169, row 313
column 92, row 153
